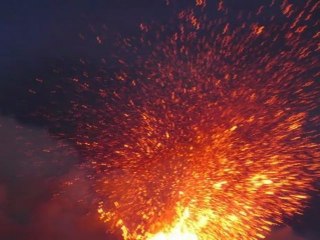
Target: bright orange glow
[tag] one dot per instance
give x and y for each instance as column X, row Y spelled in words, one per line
column 207, row 135
column 179, row 231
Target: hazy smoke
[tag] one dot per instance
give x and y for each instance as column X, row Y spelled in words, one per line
column 43, row 194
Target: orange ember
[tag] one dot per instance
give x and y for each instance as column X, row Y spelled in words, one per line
column 208, row 137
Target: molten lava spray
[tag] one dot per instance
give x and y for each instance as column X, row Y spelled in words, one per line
column 208, row 130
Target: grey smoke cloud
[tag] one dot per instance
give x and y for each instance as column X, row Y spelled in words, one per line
column 44, row 194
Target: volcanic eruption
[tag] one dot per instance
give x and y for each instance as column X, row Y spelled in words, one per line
column 207, row 130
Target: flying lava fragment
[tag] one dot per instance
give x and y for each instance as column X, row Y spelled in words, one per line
column 209, row 128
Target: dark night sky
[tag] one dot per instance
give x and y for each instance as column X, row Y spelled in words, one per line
column 35, row 37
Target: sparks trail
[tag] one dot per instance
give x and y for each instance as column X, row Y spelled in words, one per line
column 206, row 138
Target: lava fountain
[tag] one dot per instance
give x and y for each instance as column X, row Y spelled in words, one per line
column 208, row 131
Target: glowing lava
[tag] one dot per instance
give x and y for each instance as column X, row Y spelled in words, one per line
column 208, row 135
column 179, row 231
